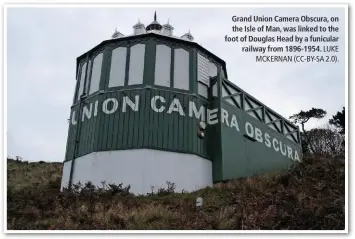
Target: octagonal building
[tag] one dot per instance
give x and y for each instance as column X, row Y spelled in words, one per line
column 151, row 108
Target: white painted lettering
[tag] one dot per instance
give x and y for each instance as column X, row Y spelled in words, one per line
column 212, row 117
column 274, row 143
column 283, row 152
column 258, row 135
column 267, row 140
column 249, row 132
column 154, row 101
column 95, row 108
column 224, row 116
column 73, row 120
column 176, row 106
column 114, row 107
column 198, row 114
column 289, row 150
column 234, row 122
column 297, row 157
column 127, row 101
column 86, row 112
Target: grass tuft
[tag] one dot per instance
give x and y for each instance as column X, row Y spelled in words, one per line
column 310, row 196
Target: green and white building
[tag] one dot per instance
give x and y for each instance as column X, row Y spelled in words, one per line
column 152, row 107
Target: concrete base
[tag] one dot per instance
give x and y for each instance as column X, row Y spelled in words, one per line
column 141, row 169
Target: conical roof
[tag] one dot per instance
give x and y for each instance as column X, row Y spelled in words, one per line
column 168, row 26
column 154, row 25
column 116, row 34
column 188, row 36
column 139, row 24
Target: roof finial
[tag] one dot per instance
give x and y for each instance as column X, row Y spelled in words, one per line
column 155, row 15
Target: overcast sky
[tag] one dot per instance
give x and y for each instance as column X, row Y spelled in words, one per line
column 43, row 44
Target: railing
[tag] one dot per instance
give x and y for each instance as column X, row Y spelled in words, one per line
column 242, row 100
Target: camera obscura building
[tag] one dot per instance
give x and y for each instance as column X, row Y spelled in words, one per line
column 151, row 108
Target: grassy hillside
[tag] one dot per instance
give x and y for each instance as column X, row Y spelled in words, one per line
column 309, row 196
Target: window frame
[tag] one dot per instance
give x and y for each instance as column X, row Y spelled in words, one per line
column 171, row 54
column 76, row 89
column 212, row 80
column 173, row 46
column 126, row 72
column 173, row 68
column 89, row 78
column 128, row 62
column 78, row 81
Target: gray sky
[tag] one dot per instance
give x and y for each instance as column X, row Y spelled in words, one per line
column 43, row 44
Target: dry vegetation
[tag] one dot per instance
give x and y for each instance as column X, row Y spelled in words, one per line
column 309, row 196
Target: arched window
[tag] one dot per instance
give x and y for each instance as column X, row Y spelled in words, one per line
column 214, row 90
column 118, row 67
column 212, row 69
column 87, row 76
column 81, row 81
column 162, row 65
column 181, row 69
column 96, row 74
column 136, row 64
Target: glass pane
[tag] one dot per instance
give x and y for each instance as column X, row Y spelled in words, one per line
column 96, row 74
column 181, row 69
column 214, row 90
column 202, row 89
column 82, row 79
column 136, row 64
column 162, row 65
column 212, row 69
column 118, row 67
column 88, row 74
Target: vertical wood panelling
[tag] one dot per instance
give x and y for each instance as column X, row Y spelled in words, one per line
column 144, row 128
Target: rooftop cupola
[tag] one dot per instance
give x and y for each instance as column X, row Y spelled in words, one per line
column 139, row 28
column 116, row 34
column 187, row 36
column 167, row 29
column 155, row 25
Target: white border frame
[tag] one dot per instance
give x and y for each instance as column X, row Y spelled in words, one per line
column 181, row 5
